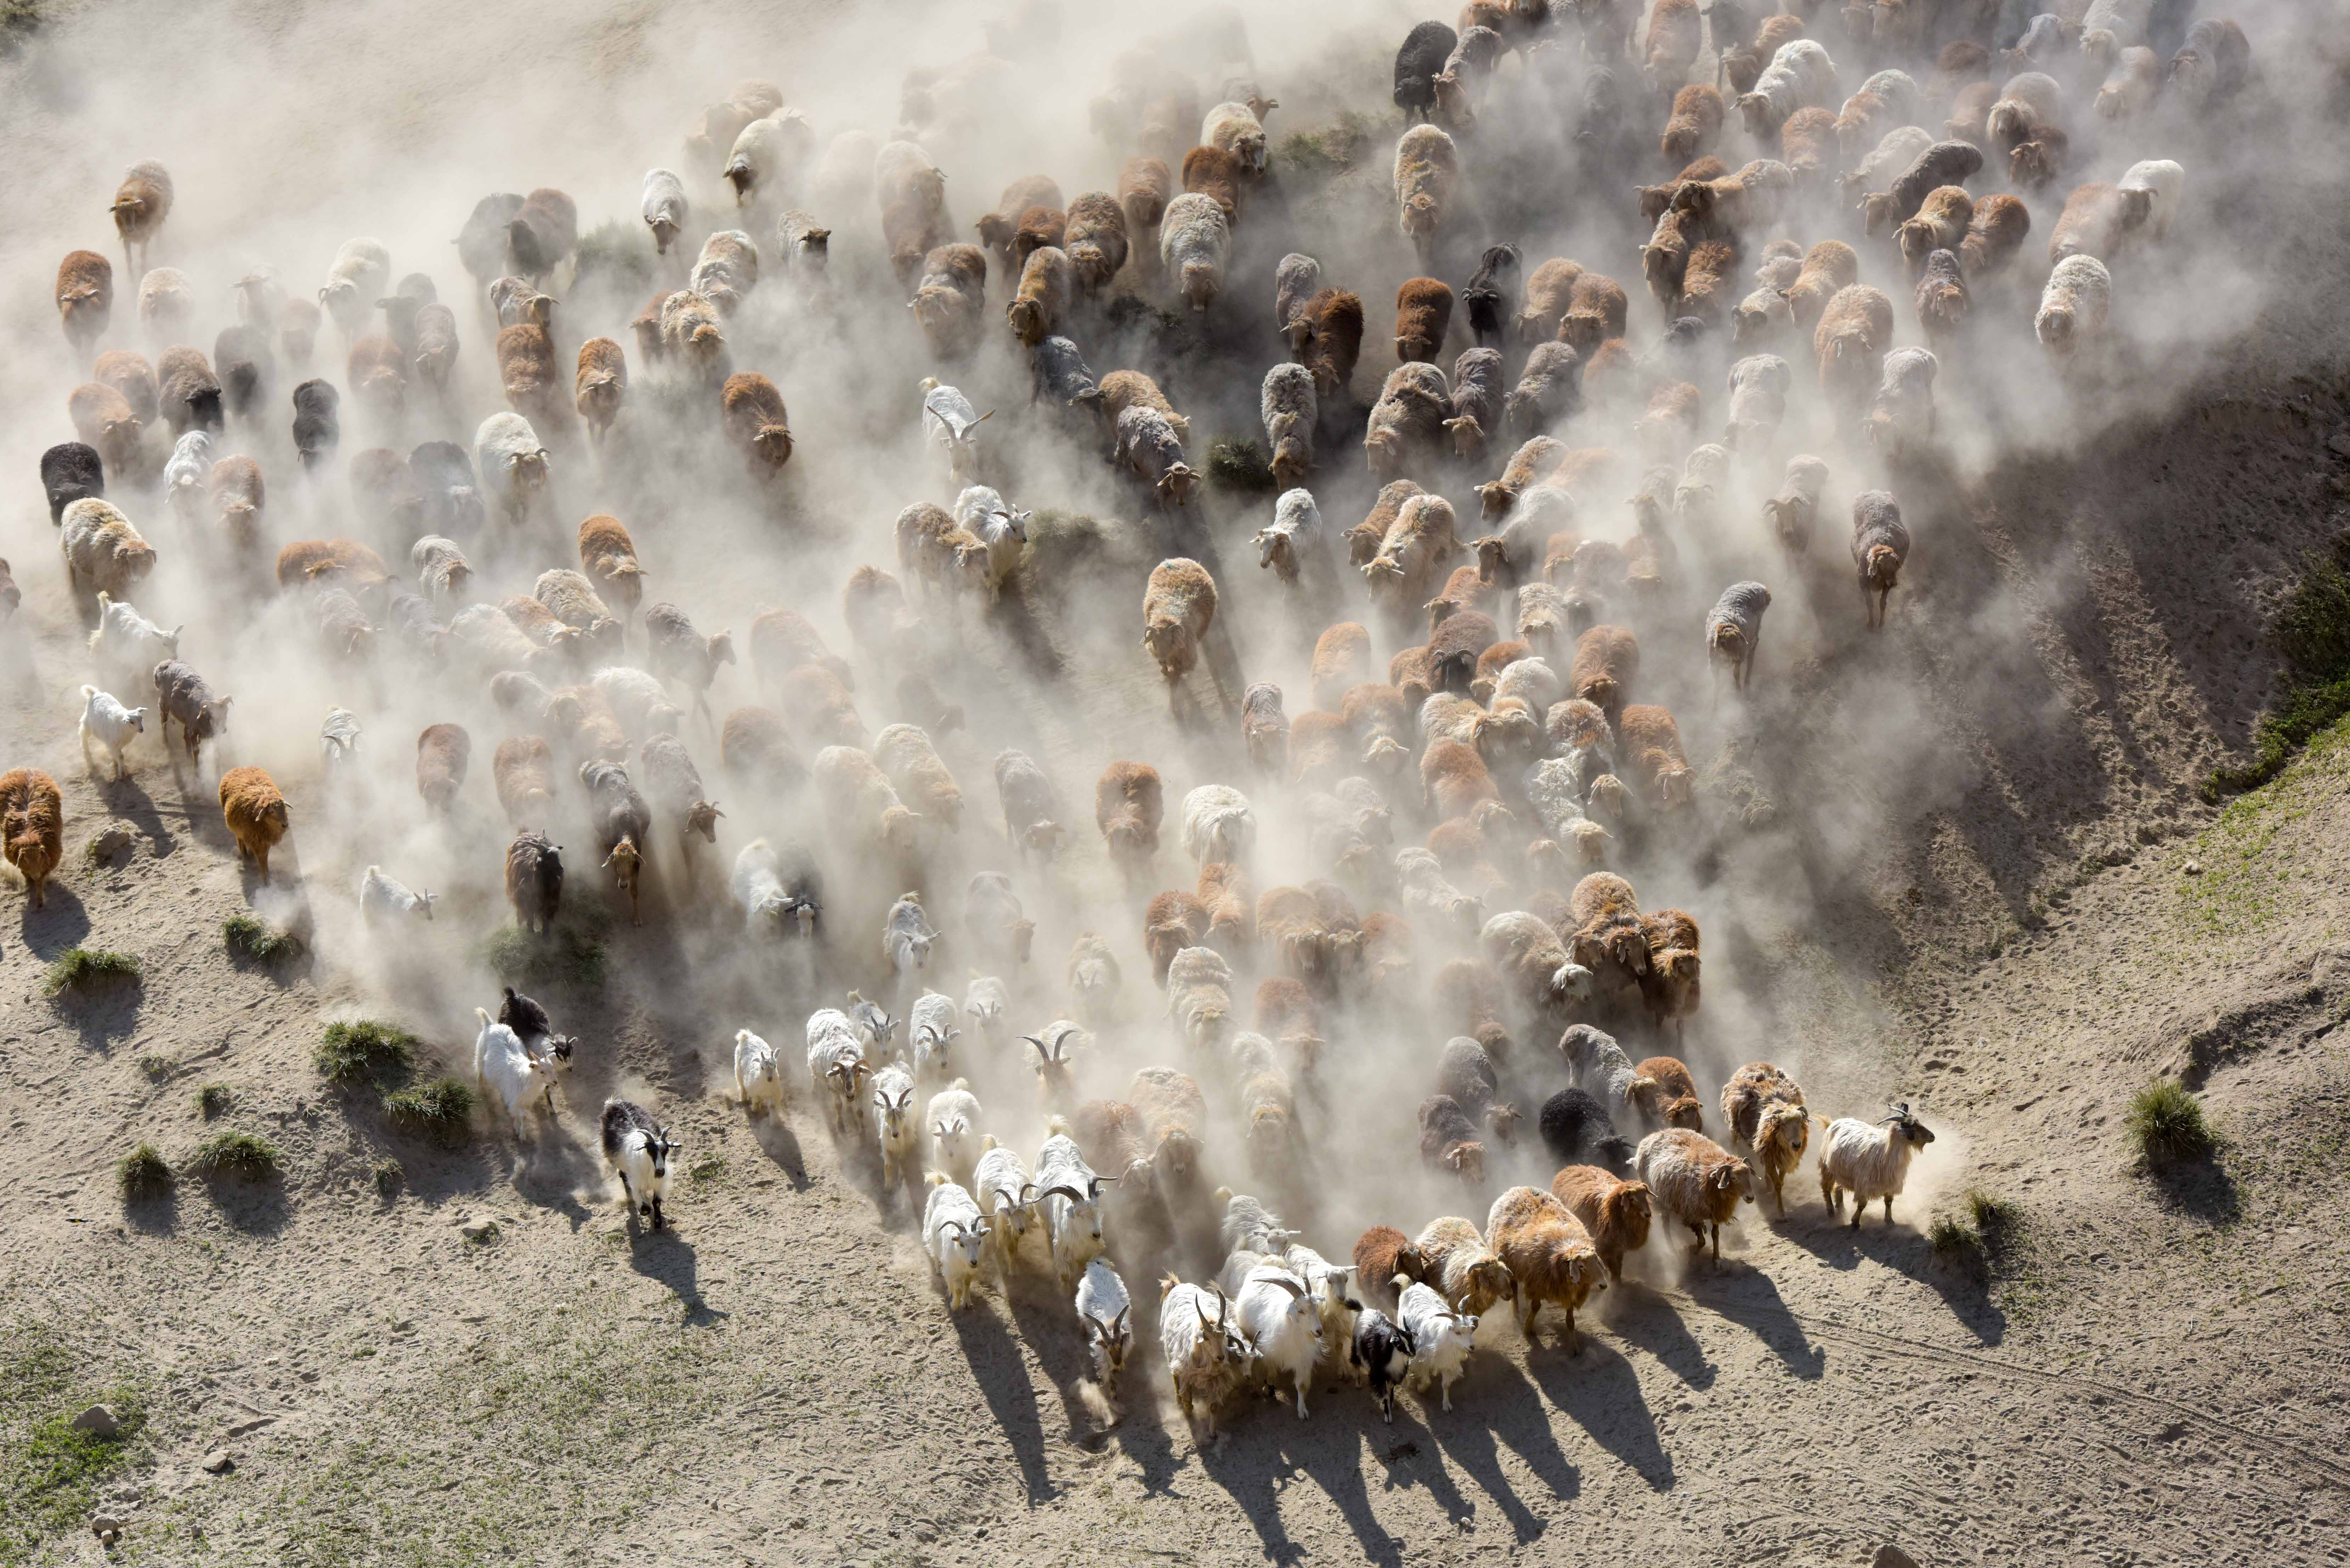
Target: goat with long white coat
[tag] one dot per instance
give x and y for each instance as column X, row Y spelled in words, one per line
column 126, row 642
column 952, row 426
column 1871, row 1162
column 758, row 1075
column 1441, row 1338
column 500, row 1062
column 838, row 1067
column 906, row 939
column 1107, row 1314
column 760, row 892
column 953, row 1238
column 1333, row 1289
column 1218, row 826
column 986, row 1001
column 110, row 724
column 1007, row 1198
column 901, row 1136
column 952, row 1118
column 1284, row 1327
column 339, row 742
column 1068, row 1195
column 1003, row 528
column 1206, row 1356
column 381, row 897
column 931, row 1030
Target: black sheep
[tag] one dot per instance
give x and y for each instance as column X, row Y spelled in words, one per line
column 534, row 879
column 1060, row 372
column 316, row 431
column 243, row 361
column 1425, row 49
column 71, row 471
column 444, row 472
column 482, row 244
column 1486, row 297
column 1465, row 1072
column 1577, row 1130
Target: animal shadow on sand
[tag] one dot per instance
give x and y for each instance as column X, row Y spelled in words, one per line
column 668, row 1259
column 62, row 923
column 1902, row 1249
column 1600, row 1393
column 1002, row 1373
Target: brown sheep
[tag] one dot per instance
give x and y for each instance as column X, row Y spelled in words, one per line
column 32, row 828
column 1651, row 753
column 1807, row 142
column 1850, row 342
column 1461, row 1266
column 523, row 770
column 1128, row 803
column 1764, row 1109
column 2033, row 163
column 2096, row 216
column 1655, row 199
column 1615, row 1213
column 1993, row 234
column 1695, row 122
column 1124, row 389
column 1144, row 185
column 1040, row 228
column 1672, row 1099
column 1174, row 1116
column 1710, row 283
column 1455, row 778
column 1178, row 606
column 443, row 751
column 1043, row 299
column 1173, row 921
column 127, row 372
column 1550, row 291
column 103, row 553
column 755, row 420
column 1381, row 1254
column 140, row 204
column 999, row 231
column 1412, row 559
column 860, row 805
column 601, row 384
column 1606, row 661
column 84, row 296
column 254, row 811
column 1606, row 918
column 756, row 751
column 1096, row 240
column 1551, row 1257
column 1694, row 1181
column 608, row 558
column 1333, row 339
column 1427, row 185
column 104, row 419
column 1676, row 31
column 1364, row 539
column 1342, row 659
column 1423, row 314
column 1448, row 1141
column 1215, row 173
column 1828, row 266
column 818, row 707
column 1228, row 896
column 951, row 299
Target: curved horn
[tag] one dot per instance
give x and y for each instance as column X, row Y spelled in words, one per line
column 1286, row 1283
column 1205, row 1320
column 1071, row 1193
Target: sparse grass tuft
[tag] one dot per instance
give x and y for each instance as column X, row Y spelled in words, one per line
column 244, row 1154
column 84, row 969
column 1982, row 1241
column 156, row 1065
column 214, row 1101
column 1239, row 464
column 562, row 957
column 390, row 1176
column 144, row 1173
column 1330, row 152
column 365, row 1052
column 707, row 1172
column 2312, row 631
column 50, row 1473
column 2166, row 1122
column 440, row 1109
column 616, row 256
column 252, row 938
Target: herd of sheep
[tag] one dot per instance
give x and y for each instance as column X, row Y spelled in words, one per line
column 1831, row 197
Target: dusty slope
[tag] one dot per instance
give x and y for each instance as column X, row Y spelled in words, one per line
column 776, row 1382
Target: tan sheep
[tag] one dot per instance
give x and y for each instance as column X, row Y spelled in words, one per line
column 254, row 811
column 1178, row 606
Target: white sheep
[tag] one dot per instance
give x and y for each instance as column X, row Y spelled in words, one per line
column 931, row 1030
column 952, row 427
column 2159, row 178
column 502, row 1063
column 110, row 725
column 1195, row 245
column 1800, row 75
column 901, row 1136
column 2074, row 303
column 380, row 896
column 1218, row 825
column 1290, row 409
column 1295, row 541
column 1597, row 1066
column 360, row 275
column 1758, row 401
column 1796, row 507
column 758, row 1075
column 1106, row 1313
column 1200, row 997
column 511, row 462
column 952, row 1117
column 1869, row 1162
column 1441, row 1338
column 1429, row 894
column 128, row 643
column 186, row 476
column 1554, row 790
column 664, row 207
column 1903, row 412
column 1284, row 1327
column 1007, row 1198
column 953, row 1236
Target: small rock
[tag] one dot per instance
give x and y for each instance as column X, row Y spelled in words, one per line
column 479, row 1229
column 1891, row 1556
column 217, row 1462
column 99, row 1421
column 106, row 1527
column 2195, row 868
column 108, row 842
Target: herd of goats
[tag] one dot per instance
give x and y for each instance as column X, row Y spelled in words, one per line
column 1780, row 159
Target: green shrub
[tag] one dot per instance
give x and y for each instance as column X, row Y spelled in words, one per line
column 561, row 957
column 1330, row 152
column 252, row 938
column 84, row 969
column 364, row 1051
column 214, row 1100
column 389, row 1177
column 144, row 1173
column 231, row 1153
column 442, row 1108
column 1239, row 464
column 2167, row 1124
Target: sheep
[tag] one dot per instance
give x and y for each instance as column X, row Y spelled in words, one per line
column 664, row 208
column 1042, row 299
column 361, row 270
column 1094, row 978
column 1124, row 389
column 1173, row 921
column 534, row 878
column 189, row 394
column 1478, row 402
column 2211, row 65
column 629, row 706
column 1940, row 223
column 771, row 889
column 2072, row 305
column 1994, row 235
column 756, row 420
column 445, row 473
column 1674, row 33
column 1943, row 164
column 84, row 296
column 109, row 725
column 1178, row 606
column 1333, row 339
column 953, row 1238
column 1607, row 662
column 1198, row 996
column 2131, row 85
column 1695, row 121
column 32, row 828
column 1595, row 314
column 1599, row 1067
column 167, row 306
column 727, row 270
column 1695, row 1180
column 1880, row 543
column 543, row 230
column 1217, row 824
column 1483, row 298
column 1127, row 804
column 1551, row 1257
column 243, row 361
column 1057, row 369
column 1032, row 806
column 1733, row 631
column 1800, row 75
column 1289, row 408
column 1871, row 1162
column 73, row 470
column 1427, row 188
column 1173, row 1114
column 1408, row 424
column 1206, row 1356
column 1615, row 1214
column 512, row 461
column 443, row 751
column 1403, row 574
column 255, row 814
column 1758, row 401
column 102, row 550
column 1903, row 411
column 2161, row 181
column 1546, row 391
column 1382, row 1254
column 1195, row 245
column 1143, row 186
column 1150, row 447
column 623, row 826
column 1448, row 1141
column 1529, row 954
column 1441, row 1336
column 1104, row 1311
column 1095, row 240
column 1768, row 1124
column 952, row 1117
column 1295, row 283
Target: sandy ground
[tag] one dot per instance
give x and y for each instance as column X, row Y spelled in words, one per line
column 1989, row 887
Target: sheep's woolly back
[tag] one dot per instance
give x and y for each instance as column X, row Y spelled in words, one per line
column 1693, row 1179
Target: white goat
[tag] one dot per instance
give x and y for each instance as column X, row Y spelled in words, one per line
column 906, row 939
column 987, row 1000
column 1007, row 1198
column 952, row 426
column 339, row 741
column 500, row 1062
column 838, row 1067
column 1869, row 1162
column 1107, row 1314
column 1206, row 1356
column 1218, row 825
column 873, row 1025
column 952, row 1236
column 127, row 642
column 1001, row 528
column 759, row 890
column 1333, row 1288
column 110, row 724
column 954, row 1119
column 381, row 896
column 931, row 1029
column 1068, row 1194
column 1284, row 1327
column 758, row 1075
column 1441, row 1338
column 901, row 1136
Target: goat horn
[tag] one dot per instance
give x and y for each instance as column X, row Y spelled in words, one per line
column 1286, row 1283
column 1071, row 1193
